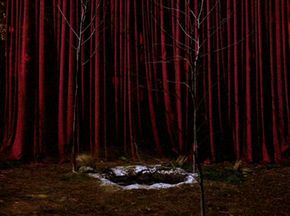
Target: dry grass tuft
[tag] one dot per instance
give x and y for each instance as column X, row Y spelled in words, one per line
column 85, row 160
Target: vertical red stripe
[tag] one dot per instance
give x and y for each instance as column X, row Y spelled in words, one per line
column 210, row 82
column 248, row 85
column 165, row 78
column 97, row 89
column 277, row 153
column 236, row 83
column 22, row 127
column 265, row 155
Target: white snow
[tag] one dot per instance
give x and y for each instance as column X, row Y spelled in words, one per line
column 119, row 171
column 190, row 178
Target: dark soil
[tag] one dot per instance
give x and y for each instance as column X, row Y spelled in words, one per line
column 51, row 189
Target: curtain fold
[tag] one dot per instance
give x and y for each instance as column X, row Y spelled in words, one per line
column 134, row 74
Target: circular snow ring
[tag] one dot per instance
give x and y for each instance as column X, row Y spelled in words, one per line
column 145, row 177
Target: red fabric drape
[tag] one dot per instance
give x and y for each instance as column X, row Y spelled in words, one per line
column 133, row 72
column 2, row 78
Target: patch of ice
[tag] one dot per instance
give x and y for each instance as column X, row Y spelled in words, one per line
column 173, row 171
column 190, row 178
column 132, row 187
column 161, row 186
column 147, row 187
column 122, row 171
column 119, row 171
column 139, row 168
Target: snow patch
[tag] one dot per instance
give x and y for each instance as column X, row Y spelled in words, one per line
column 122, row 171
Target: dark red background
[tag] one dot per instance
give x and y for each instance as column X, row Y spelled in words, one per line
column 131, row 98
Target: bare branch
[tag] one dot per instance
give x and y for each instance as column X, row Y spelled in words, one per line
column 174, row 39
column 88, row 60
column 92, row 19
column 90, row 24
column 228, row 46
column 200, row 11
column 191, row 11
column 176, row 45
column 208, row 14
column 213, row 32
column 184, row 31
column 91, row 35
column 67, row 22
column 175, row 58
column 169, row 8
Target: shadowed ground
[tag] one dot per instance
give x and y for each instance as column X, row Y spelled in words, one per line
column 51, row 189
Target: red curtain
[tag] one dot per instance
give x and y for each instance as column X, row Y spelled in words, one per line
column 133, row 75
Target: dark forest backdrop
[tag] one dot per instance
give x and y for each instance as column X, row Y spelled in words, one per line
column 131, row 83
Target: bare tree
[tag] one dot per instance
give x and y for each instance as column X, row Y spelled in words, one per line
column 192, row 26
column 81, row 39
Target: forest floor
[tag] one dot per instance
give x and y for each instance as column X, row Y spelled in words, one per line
column 52, row 189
